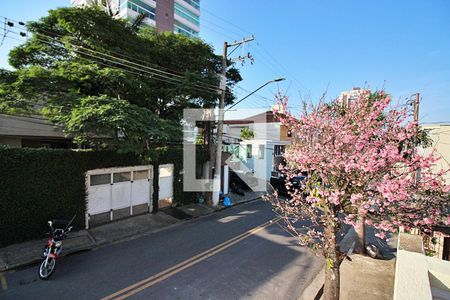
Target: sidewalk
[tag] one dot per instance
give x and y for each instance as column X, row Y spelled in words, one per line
column 196, row 209
column 18, row 255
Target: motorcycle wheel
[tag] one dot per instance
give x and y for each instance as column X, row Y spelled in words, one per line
column 46, row 271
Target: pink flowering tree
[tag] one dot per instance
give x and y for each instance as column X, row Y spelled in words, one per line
column 363, row 168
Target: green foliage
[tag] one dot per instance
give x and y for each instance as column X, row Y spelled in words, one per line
column 42, row 184
column 423, row 138
column 247, row 134
column 39, row 184
column 113, row 122
column 10, row 101
column 68, row 66
column 330, row 264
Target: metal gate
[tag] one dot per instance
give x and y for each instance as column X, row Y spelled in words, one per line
column 115, row 193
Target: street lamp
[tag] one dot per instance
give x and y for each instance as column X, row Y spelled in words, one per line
column 218, row 168
column 268, row 82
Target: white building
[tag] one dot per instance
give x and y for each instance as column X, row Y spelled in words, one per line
column 347, row 96
column 262, row 153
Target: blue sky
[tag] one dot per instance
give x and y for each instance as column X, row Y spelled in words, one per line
column 318, row 46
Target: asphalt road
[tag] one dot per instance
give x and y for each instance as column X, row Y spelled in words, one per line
column 233, row 254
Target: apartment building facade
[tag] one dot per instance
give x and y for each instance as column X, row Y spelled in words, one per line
column 179, row 16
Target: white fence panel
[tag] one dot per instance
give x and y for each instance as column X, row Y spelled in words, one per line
column 99, row 192
column 166, row 181
column 121, row 190
column 141, row 188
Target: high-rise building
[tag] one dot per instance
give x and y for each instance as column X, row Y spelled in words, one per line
column 179, row 16
column 349, row 96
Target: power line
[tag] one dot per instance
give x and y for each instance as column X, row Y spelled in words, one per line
column 275, row 70
column 226, row 21
column 268, row 62
column 223, row 28
column 282, row 66
column 125, row 63
column 296, row 81
column 134, row 58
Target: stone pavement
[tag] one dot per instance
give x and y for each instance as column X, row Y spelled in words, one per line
column 18, row 255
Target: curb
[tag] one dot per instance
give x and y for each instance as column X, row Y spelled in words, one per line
column 314, row 287
column 29, row 262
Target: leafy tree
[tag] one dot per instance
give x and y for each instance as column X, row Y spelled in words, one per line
column 11, row 102
column 80, row 59
column 247, row 134
column 361, row 164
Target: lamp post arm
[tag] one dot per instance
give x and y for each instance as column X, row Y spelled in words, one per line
column 234, row 104
column 268, row 82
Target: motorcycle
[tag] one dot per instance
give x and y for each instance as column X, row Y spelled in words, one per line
column 53, row 248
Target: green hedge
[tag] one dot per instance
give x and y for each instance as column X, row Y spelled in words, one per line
column 37, row 185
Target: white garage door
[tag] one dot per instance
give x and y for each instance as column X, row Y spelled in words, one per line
column 118, row 188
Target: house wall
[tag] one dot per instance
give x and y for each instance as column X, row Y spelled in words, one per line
column 28, row 126
column 440, row 134
column 31, row 132
column 263, row 166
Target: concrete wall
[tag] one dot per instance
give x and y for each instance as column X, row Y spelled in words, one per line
column 418, row 276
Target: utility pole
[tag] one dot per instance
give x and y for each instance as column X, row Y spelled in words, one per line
column 223, row 87
column 416, row 111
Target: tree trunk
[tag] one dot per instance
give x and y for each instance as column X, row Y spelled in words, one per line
column 360, row 245
column 332, row 274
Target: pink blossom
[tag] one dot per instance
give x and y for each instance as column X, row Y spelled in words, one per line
column 365, row 162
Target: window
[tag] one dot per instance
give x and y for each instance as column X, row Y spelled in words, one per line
column 140, row 175
column 100, row 179
column 261, row 150
column 183, row 29
column 186, row 14
column 193, row 3
column 141, row 8
column 289, row 133
column 278, row 150
column 121, row 177
column 249, row 151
